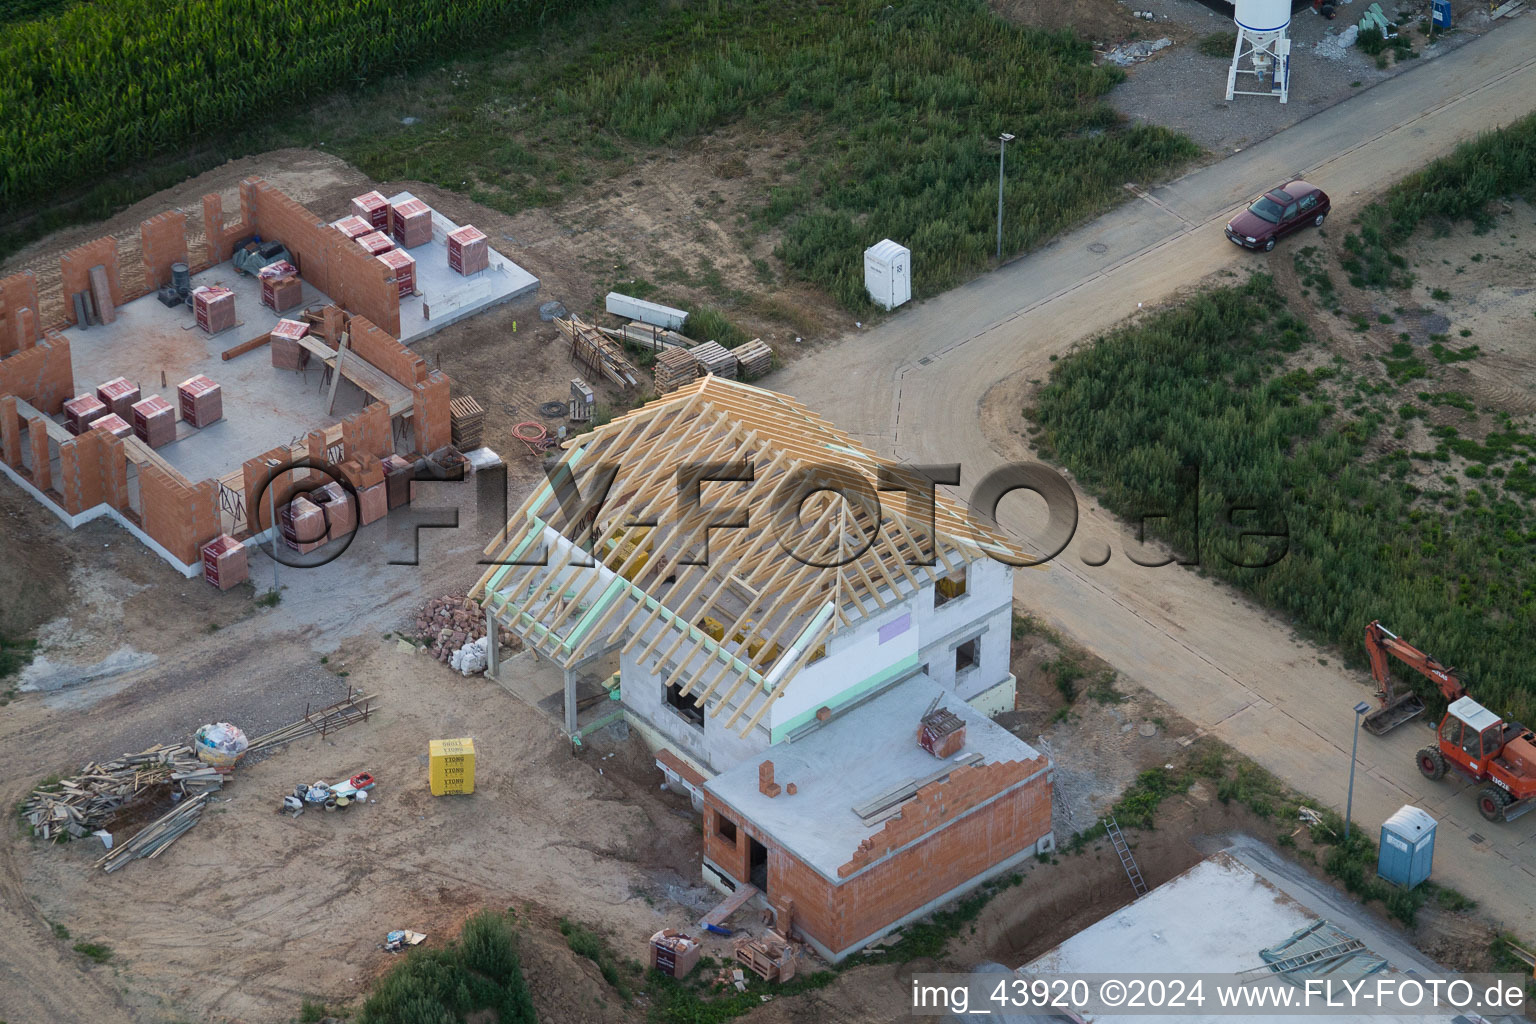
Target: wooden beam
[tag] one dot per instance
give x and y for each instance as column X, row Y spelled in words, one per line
column 244, row 347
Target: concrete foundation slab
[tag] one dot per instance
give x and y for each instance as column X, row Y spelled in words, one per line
column 446, row 296
column 263, row 406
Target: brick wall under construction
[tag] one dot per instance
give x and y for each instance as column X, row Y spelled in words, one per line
column 220, row 236
column 325, row 257
column 42, row 375
column 163, row 241
column 431, row 415
column 42, row 459
column 75, row 272
column 181, row 517
column 382, row 349
column 946, row 836
column 10, row 432
column 368, row 432
column 18, row 313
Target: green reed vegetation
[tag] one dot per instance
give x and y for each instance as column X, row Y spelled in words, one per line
column 1450, row 567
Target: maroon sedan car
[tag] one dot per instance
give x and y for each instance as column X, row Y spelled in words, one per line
column 1279, row 212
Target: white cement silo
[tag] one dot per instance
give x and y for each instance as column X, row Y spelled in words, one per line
column 1263, row 41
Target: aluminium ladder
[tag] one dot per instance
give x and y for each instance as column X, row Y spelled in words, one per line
column 1313, row 958
column 1127, row 861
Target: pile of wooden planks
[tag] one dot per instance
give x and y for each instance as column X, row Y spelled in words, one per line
column 152, row 840
column 754, row 358
column 675, row 367
column 468, row 421
column 596, row 352
column 80, row 805
column 888, row 804
column 769, row 957
column 355, row 708
column 716, row 359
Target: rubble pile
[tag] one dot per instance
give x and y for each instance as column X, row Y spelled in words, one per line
column 453, row 630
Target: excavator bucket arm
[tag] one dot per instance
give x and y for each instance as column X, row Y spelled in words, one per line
column 1397, row 709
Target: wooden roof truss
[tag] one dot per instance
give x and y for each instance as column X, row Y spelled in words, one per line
column 734, row 632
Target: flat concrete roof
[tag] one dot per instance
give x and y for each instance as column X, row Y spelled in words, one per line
column 263, row 406
column 864, row 752
column 1212, row 919
column 449, row 295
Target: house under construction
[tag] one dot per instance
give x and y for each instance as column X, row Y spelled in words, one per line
column 775, row 596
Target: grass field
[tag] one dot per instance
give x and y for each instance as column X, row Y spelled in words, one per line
column 1221, row 383
column 476, row 977
column 894, row 113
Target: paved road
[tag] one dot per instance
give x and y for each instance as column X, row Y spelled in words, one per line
column 914, row 388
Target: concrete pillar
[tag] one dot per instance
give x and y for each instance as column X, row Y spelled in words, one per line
column 492, row 651
column 570, row 702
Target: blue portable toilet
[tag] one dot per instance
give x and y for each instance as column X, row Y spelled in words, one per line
column 1407, row 847
column 1441, row 12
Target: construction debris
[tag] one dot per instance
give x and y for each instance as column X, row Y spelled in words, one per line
column 770, row 958
column 394, row 942
column 597, row 353
column 675, row 368
column 754, row 358
column 84, row 803
column 673, row 953
column 468, row 423
column 447, row 626
column 716, row 359
column 152, row 841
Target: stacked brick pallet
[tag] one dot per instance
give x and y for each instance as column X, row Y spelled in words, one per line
column 354, row 227
column 118, row 396
column 202, row 401
column 469, row 251
column 113, row 424
column 154, row 421
column 754, row 358
column 403, row 266
column 675, row 367
column 339, row 508
column 468, row 423
column 411, row 223
column 374, row 209
column 303, row 525
column 280, row 286
column 80, row 411
column 287, row 353
column 224, row 562
column 376, row 243
column 214, row 307
column 714, row 358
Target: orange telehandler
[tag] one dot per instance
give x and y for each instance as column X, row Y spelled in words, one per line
column 1471, row 739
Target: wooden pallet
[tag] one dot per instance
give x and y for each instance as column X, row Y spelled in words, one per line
column 716, row 359
column 754, row 358
column 675, row 368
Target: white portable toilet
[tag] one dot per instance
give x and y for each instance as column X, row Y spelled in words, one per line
column 888, row 273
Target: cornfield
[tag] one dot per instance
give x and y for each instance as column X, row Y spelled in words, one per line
column 98, row 87
column 1205, row 384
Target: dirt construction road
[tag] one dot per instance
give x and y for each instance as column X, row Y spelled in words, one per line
column 916, row 387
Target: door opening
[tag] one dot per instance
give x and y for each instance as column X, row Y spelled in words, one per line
column 757, row 866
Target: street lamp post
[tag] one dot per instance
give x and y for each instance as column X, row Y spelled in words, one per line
column 1349, row 801
column 1002, row 147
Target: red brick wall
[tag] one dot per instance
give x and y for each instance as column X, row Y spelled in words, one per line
column 114, row 472
column 368, row 432
column 865, row 901
column 430, row 413
column 221, row 237
column 255, row 473
column 42, row 375
column 42, row 468
column 17, row 292
column 80, row 472
column 75, row 272
column 163, row 241
column 381, row 349
column 181, row 517
column 10, row 432
column 326, row 258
